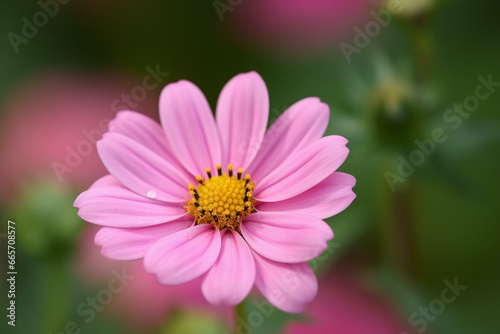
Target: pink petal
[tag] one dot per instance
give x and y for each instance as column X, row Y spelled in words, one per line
column 232, row 276
column 184, row 255
column 300, row 125
column 286, row 237
column 303, row 169
column 190, row 127
column 106, row 181
column 289, row 287
column 242, row 111
column 145, row 131
column 116, row 206
column 133, row 243
column 326, row 199
column 142, row 170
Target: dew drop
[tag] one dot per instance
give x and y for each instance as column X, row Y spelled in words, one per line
column 189, row 236
column 151, row 194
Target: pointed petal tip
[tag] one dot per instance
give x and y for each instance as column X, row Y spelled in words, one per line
column 251, row 76
column 180, row 84
column 251, row 73
column 289, row 287
column 76, row 203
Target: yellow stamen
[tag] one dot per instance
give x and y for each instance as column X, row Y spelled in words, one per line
column 221, row 200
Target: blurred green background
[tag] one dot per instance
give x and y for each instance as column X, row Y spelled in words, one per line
column 400, row 239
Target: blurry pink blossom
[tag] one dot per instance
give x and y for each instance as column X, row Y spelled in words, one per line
column 299, row 25
column 345, row 305
column 49, row 126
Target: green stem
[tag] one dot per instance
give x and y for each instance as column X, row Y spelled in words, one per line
column 397, row 243
column 423, row 48
column 398, row 246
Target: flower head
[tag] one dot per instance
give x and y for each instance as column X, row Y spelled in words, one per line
column 222, row 199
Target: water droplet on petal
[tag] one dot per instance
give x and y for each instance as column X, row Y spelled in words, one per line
column 189, row 236
column 151, row 194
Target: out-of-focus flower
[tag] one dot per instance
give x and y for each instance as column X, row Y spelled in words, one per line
column 258, row 229
column 49, row 128
column 411, row 8
column 299, row 25
column 346, row 305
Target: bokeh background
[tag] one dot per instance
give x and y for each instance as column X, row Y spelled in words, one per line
column 391, row 80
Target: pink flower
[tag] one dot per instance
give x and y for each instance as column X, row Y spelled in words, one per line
column 54, row 119
column 298, row 25
column 169, row 200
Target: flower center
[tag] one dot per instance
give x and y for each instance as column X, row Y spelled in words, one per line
column 221, row 200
